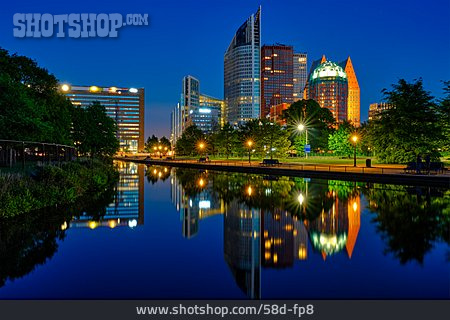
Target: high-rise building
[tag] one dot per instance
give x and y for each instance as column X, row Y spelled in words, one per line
column 242, row 72
column 375, row 109
column 124, row 105
column 204, row 111
column 328, row 85
column 190, row 100
column 353, row 100
column 300, row 65
column 277, row 76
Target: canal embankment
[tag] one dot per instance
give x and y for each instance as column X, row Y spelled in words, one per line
column 389, row 175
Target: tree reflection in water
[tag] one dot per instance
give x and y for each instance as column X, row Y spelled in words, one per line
column 410, row 219
column 30, row 240
column 294, row 213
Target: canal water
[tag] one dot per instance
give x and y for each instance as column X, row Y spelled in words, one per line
column 195, row 234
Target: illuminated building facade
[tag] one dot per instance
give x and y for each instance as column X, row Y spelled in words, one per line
column 204, row 111
column 300, row 65
column 375, row 109
column 190, row 100
column 242, row 72
column 124, row 105
column 276, row 113
column 328, row 85
column 353, row 99
column 277, row 76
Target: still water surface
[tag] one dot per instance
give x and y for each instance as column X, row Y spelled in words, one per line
column 184, row 233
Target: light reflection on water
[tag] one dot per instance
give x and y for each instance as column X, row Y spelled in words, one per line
column 281, row 238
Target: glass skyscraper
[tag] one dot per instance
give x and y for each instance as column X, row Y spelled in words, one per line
column 242, row 72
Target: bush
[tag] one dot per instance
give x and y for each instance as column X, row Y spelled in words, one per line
column 51, row 185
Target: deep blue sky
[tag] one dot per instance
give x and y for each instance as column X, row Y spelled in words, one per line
column 386, row 40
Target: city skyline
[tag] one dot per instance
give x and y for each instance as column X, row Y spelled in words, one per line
column 381, row 28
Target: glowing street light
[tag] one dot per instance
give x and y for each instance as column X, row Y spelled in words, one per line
column 300, row 128
column 300, row 199
column 249, row 190
column 201, row 146
column 354, row 139
column 249, row 144
column 65, row 87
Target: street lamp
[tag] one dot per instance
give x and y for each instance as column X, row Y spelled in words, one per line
column 201, row 146
column 249, row 144
column 354, row 139
column 300, row 128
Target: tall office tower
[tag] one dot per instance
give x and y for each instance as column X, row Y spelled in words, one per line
column 242, row 72
column 300, row 74
column 277, row 76
column 124, row 105
column 353, row 100
column 328, row 85
column 190, row 100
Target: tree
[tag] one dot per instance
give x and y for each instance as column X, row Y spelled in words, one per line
column 165, row 143
column 408, row 129
column 226, row 140
column 318, row 121
column 94, row 132
column 270, row 139
column 443, row 111
column 340, row 140
column 31, row 107
column 151, row 143
column 188, row 143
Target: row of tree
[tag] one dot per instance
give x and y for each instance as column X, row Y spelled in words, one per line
column 155, row 144
column 33, row 109
column 416, row 124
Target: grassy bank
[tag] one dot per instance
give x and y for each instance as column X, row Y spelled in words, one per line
column 51, row 185
column 326, row 160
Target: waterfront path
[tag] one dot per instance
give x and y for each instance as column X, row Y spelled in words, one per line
column 384, row 174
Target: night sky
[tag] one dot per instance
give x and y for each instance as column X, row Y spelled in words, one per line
column 386, row 40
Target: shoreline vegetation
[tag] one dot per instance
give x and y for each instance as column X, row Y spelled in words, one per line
column 48, row 186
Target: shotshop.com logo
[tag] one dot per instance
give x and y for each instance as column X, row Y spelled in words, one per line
column 74, row 25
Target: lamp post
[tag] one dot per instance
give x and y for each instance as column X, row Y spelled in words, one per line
column 300, row 128
column 354, row 139
column 249, row 144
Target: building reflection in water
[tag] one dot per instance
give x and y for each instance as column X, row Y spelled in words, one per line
column 242, row 246
column 194, row 206
column 336, row 228
column 127, row 208
column 264, row 235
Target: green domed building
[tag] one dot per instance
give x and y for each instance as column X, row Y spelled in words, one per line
column 328, row 85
